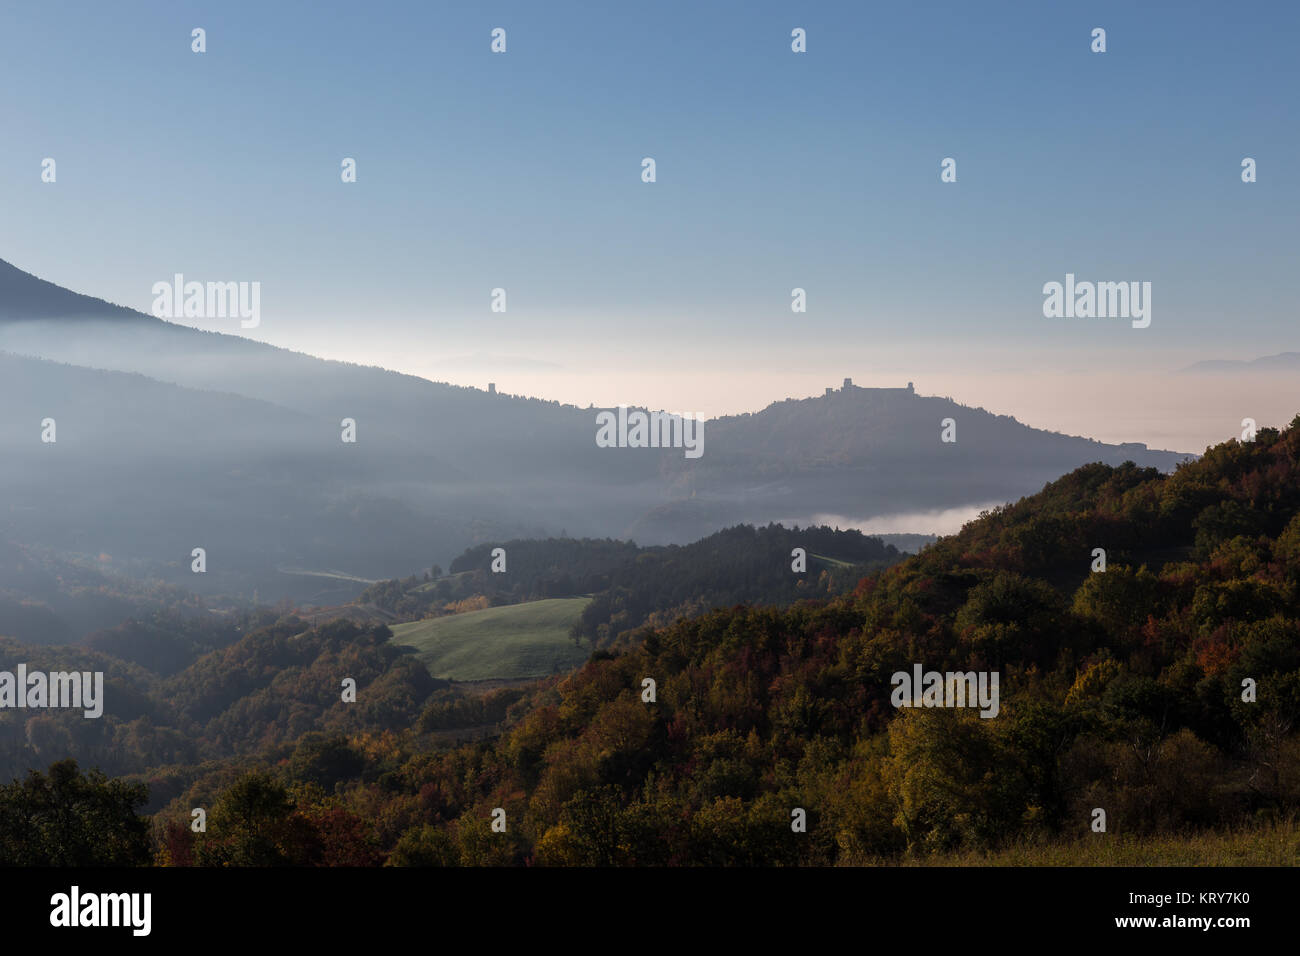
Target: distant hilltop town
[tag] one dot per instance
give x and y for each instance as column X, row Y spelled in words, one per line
column 849, row 386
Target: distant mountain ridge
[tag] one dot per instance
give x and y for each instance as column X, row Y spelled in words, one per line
column 1282, row 362
column 253, row 432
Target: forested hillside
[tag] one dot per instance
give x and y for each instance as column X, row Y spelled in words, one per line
column 633, row 586
column 1123, row 690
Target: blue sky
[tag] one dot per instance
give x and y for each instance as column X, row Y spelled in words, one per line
column 775, row 170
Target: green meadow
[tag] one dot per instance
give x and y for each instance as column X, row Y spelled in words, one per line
column 512, row 641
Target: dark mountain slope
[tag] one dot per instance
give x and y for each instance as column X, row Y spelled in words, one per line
column 23, row 297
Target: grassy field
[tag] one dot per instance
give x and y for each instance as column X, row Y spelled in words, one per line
column 518, row 640
column 1270, row 844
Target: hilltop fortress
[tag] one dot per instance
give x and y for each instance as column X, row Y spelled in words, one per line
column 850, row 387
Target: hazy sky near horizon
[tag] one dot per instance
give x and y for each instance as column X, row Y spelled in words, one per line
column 775, row 170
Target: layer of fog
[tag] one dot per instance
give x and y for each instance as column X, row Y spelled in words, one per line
column 939, row 521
